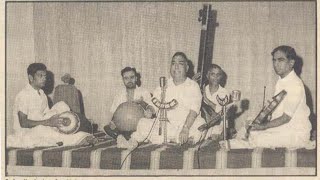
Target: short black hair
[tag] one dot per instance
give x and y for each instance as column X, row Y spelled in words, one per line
column 34, row 67
column 127, row 69
column 214, row 66
column 289, row 51
column 181, row 54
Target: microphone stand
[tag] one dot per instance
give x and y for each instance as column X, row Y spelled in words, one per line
column 163, row 116
column 235, row 97
column 163, row 107
column 223, row 102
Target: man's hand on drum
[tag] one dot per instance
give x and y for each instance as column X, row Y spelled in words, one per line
column 148, row 113
column 55, row 121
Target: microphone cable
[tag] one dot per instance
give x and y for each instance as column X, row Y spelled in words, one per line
column 201, row 141
column 139, row 144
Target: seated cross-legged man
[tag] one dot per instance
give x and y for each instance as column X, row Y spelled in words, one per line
column 289, row 125
column 211, row 91
column 34, row 123
column 128, row 106
column 183, row 119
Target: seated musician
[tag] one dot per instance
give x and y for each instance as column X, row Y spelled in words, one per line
column 183, row 119
column 289, row 125
column 211, row 91
column 131, row 92
column 34, row 123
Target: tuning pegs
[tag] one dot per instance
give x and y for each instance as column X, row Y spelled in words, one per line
column 200, row 15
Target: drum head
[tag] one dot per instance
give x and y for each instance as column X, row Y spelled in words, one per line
column 72, row 126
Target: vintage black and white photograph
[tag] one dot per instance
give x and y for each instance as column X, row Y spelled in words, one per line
column 160, row 88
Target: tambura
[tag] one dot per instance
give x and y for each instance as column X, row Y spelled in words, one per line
column 70, row 124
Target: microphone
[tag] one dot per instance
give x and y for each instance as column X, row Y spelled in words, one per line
column 162, row 82
column 236, row 95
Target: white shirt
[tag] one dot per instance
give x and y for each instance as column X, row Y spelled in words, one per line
column 31, row 102
column 122, row 97
column 34, row 104
column 221, row 92
column 294, row 105
column 187, row 94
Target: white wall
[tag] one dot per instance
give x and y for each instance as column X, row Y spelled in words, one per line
column 94, row 41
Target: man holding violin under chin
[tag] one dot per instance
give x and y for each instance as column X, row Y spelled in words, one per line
column 289, row 126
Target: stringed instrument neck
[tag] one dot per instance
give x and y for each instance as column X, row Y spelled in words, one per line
column 208, row 18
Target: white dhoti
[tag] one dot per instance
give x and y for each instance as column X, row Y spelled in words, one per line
column 272, row 138
column 188, row 96
column 40, row 136
column 293, row 134
column 148, row 130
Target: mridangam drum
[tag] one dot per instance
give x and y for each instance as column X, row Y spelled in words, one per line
column 70, row 123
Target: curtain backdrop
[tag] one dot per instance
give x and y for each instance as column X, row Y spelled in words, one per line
column 93, row 41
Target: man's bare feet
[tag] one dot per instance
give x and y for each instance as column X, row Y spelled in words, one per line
column 123, row 143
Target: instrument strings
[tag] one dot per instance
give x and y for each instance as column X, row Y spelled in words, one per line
column 264, row 95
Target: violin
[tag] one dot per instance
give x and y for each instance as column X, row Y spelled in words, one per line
column 209, row 114
column 267, row 110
